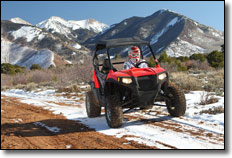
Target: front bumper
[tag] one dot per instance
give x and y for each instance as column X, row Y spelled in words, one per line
column 144, row 89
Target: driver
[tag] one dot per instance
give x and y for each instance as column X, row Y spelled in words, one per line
column 134, row 59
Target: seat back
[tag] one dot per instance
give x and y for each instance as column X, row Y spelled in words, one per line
column 106, row 66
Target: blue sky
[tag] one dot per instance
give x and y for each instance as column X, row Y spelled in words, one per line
column 210, row 13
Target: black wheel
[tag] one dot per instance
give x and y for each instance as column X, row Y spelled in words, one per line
column 92, row 109
column 113, row 111
column 176, row 103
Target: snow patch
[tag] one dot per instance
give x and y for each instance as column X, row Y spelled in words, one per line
column 28, row 33
column 77, row 46
column 25, row 56
column 51, row 129
column 183, row 48
column 19, row 21
column 155, row 38
column 68, row 61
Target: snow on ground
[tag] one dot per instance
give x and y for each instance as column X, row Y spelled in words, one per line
column 154, row 127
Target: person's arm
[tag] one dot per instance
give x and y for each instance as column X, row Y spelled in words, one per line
column 126, row 66
column 143, row 65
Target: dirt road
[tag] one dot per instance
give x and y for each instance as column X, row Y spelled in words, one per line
column 26, row 127
column 44, row 119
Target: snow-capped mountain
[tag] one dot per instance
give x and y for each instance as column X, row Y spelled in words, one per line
column 70, row 28
column 25, row 56
column 19, row 21
column 90, row 24
column 166, row 30
column 24, row 44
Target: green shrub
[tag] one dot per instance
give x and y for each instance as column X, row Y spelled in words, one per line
column 201, row 57
column 117, row 56
column 216, row 59
column 18, row 70
column 164, row 57
column 51, row 66
column 182, row 58
column 151, row 62
column 35, row 67
column 7, row 68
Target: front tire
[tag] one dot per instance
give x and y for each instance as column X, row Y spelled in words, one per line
column 176, row 103
column 92, row 109
column 113, row 111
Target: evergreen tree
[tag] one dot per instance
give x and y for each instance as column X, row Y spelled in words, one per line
column 216, row 59
column 163, row 57
column 35, row 67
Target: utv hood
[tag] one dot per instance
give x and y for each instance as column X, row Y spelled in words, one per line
column 135, row 72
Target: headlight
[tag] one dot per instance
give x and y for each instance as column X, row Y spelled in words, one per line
column 162, row 76
column 127, row 80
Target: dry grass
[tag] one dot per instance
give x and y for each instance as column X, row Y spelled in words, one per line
column 200, row 80
column 69, row 89
column 213, row 111
column 215, row 81
column 67, row 76
column 57, row 77
column 206, row 98
column 186, row 81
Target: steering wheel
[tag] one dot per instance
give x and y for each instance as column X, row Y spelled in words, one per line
column 137, row 64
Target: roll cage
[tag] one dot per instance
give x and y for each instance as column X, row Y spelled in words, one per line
column 114, row 43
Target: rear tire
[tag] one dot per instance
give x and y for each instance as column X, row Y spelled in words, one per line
column 176, row 103
column 113, row 111
column 92, row 109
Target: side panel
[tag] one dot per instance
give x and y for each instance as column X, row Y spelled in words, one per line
column 95, row 80
column 99, row 99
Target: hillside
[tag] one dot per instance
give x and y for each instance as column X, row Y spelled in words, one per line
column 73, row 40
column 166, row 30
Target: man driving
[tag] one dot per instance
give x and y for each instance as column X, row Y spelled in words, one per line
column 134, row 59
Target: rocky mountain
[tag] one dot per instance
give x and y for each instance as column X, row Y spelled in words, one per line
column 72, row 40
column 26, row 56
column 55, row 35
column 23, row 40
column 166, row 30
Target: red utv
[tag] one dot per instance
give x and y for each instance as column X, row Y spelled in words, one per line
column 120, row 91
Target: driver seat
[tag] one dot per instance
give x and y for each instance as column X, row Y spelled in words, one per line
column 106, row 66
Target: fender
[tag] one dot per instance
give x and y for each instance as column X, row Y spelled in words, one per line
column 110, row 86
column 95, row 80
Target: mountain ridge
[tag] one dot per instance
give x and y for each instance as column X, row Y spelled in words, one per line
column 166, row 30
